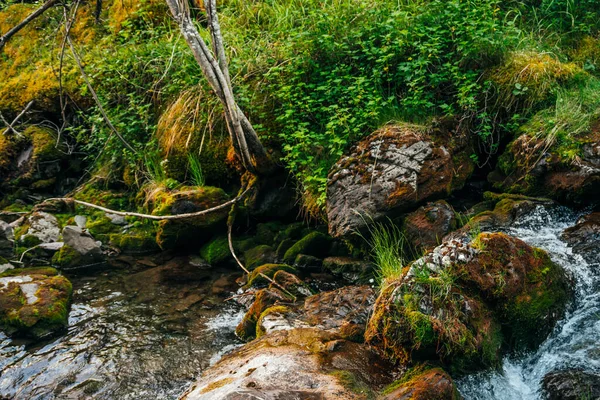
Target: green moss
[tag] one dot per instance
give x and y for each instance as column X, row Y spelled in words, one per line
column 267, row 232
column 269, row 270
column 29, row 241
column 353, row 383
column 246, row 329
column 260, row 331
column 67, row 257
column 216, row 251
column 100, row 226
column 137, row 241
column 314, row 244
column 258, row 255
column 46, row 271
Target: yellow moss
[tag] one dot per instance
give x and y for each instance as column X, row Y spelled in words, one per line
column 123, row 12
column 217, row 384
column 530, row 75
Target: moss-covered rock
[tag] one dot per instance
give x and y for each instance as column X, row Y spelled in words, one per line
column 67, row 257
column 216, row 251
column 190, row 231
column 266, row 233
column 138, row 240
column 256, row 278
column 246, row 329
column 314, row 244
column 464, row 300
column 259, row 255
column 34, row 302
column 426, row 227
column 291, row 284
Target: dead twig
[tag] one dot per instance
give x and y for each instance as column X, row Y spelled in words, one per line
column 11, row 125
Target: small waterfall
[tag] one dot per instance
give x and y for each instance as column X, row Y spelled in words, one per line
column 575, row 341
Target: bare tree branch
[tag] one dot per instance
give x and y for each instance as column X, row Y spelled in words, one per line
column 11, row 125
column 215, row 68
column 6, row 37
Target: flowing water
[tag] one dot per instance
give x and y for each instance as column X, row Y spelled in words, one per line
column 575, row 341
column 130, row 336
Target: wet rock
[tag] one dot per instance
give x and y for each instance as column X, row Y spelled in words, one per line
column 291, row 284
column 264, row 298
column 314, row 244
column 305, row 262
column 344, row 311
column 341, row 265
column 571, row 385
column 192, row 231
column 303, row 363
column 500, row 211
column 225, row 284
column 34, row 302
column 393, row 170
column 426, row 227
column 6, row 239
column 256, row 277
column 430, row 384
column 259, row 255
column 529, row 167
column 584, row 237
column 461, row 301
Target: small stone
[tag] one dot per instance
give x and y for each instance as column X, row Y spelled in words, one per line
column 116, row 219
column 80, row 221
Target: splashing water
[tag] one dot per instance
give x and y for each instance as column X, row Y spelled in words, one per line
column 575, row 341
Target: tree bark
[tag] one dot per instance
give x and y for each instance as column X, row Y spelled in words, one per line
column 215, row 68
column 6, row 37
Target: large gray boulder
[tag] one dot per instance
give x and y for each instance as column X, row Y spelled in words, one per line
column 393, row 171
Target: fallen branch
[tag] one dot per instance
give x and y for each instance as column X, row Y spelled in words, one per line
column 6, row 37
column 153, row 217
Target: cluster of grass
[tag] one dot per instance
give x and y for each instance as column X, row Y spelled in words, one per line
column 387, row 246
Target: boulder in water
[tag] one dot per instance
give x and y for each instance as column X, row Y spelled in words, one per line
column 34, row 302
column 421, row 383
column 463, row 300
column 571, row 385
column 584, row 237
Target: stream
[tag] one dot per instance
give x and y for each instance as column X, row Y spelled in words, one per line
column 130, row 336
column 575, row 341
column 139, row 335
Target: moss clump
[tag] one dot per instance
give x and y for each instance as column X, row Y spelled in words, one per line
column 255, row 278
column 45, row 314
column 314, row 244
column 67, row 257
column 99, row 225
column 29, row 241
column 267, row 232
column 258, row 256
column 139, row 240
column 246, row 329
column 260, row 330
column 216, row 251
column 353, row 383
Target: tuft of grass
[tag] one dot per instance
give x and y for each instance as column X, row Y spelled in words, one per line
column 195, row 170
column 387, row 243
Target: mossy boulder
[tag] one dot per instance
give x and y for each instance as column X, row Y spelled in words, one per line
column 422, row 383
column 314, row 244
column 216, row 251
column 190, row 231
column 466, row 299
column 259, row 255
column 266, row 233
column 137, row 240
column 531, row 167
column 34, row 302
column 394, row 170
